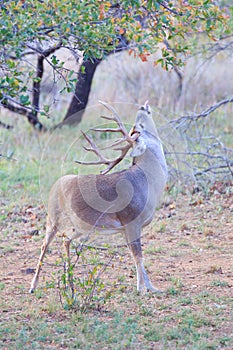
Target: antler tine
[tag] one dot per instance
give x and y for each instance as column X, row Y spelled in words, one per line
column 93, row 149
column 110, row 108
column 115, row 143
column 115, row 117
column 97, row 162
column 92, row 144
column 106, row 129
column 114, row 162
column 133, row 138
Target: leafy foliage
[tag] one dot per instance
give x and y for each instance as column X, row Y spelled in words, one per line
column 94, row 28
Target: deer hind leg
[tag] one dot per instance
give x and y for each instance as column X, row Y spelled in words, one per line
column 69, row 281
column 50, row 233
column 142, row 277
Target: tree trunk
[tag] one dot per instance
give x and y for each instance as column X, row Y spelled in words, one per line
column 82, row 90
column 33, row 115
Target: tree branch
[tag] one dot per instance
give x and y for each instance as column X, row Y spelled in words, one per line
column 11, row 107
column 179, row 121
column 165, row 5
column 32, row 112
column 176, row 70
column 46, row 52
column 214, row 169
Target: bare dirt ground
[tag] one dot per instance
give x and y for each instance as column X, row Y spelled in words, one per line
column 188, row 251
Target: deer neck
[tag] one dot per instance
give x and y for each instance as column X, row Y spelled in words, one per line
column 153, row 162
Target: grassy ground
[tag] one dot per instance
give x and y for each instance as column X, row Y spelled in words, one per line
column 187, row 249
column 188, row 254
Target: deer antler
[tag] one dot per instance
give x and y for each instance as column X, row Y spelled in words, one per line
column 130, row 138
column 121, row 128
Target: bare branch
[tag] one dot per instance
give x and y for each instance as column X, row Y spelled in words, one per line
column 214, row 169
column 180, row 121
column 22, row 110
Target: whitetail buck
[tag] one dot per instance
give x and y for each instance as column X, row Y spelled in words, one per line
column 124, row 201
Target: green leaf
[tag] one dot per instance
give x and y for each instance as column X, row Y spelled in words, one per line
column 54, row 60
column 24, row 100
column 46, row 108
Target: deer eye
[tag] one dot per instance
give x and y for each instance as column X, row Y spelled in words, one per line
column 141, row 125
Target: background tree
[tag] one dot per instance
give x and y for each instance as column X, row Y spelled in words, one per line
column 92, row 30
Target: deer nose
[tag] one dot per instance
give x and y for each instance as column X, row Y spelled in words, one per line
column 134, row 130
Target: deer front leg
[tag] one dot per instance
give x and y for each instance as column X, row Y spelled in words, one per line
column 142, row 278
column 136, row 250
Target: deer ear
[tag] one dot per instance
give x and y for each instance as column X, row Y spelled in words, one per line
column 139, row 149
column 147, row 107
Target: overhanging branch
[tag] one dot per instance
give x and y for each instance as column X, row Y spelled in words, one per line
column 12, row 107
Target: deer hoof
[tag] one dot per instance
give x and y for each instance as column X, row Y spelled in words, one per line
column 155, row 290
